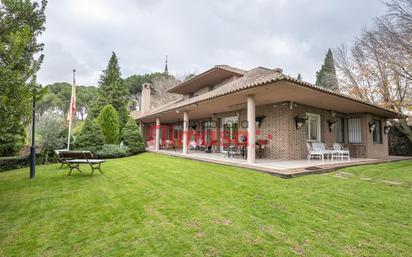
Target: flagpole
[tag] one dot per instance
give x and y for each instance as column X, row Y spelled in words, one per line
column 71, row 110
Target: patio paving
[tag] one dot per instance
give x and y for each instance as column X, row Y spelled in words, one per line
column 281, row 168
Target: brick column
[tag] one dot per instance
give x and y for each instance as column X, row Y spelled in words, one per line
column 157, row 135
column 251, row 129
column 185, row 132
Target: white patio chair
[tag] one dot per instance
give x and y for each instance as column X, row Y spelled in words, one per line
column 321, row 147
column 313, row 152
column 341, row 151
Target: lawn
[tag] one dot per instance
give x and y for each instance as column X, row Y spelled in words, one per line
column 154, row 205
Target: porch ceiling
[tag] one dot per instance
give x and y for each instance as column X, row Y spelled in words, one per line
column 276, row 92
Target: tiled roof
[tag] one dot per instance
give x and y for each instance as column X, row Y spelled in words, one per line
column 230, row 68
column 253, row 78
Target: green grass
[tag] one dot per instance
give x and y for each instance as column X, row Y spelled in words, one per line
column 153, row 205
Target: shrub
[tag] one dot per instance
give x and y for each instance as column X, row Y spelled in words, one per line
column 90, row 137
column 109, row 122
column 131, row 137
column 10, row 143
column 49, row 128
column 13, row 162
column 112, row 151
column 61, row 141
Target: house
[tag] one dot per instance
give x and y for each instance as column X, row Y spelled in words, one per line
column 226, row 105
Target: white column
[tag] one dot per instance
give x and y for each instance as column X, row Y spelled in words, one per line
column 251, row 129
column 185, row 131
column 157, row 136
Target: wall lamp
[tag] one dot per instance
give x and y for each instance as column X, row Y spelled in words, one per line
column 372, row 126
column 331, row 123
column 387, row 128
column 260, row 119
column 299, row 121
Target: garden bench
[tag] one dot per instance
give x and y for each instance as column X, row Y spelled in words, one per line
column 59, row 158
column 73, row 159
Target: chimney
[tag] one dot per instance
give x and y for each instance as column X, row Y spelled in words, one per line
column 145, row 101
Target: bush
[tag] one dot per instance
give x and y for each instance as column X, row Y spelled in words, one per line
column 13, row 162
column 109, row 123
column 90, row 137
column 112, row 151
column 10, row 143
column 61, row 141
column 131, row 137
column 49, row 128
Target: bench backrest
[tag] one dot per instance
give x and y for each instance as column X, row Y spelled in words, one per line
column 76, row 154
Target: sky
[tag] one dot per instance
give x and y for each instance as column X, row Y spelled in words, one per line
column 195, row 35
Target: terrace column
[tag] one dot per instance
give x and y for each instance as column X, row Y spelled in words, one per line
column 157, row 135
column 251, row 129
column 185, row 131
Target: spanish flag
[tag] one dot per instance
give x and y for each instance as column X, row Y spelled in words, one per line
column 72, row 107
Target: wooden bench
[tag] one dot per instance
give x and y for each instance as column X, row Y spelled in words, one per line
column 73, row 159
column 59, row 158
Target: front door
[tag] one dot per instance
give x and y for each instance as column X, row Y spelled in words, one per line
column 229, row 128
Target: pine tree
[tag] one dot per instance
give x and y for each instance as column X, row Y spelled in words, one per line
column 299, row 77
column 326, row 76
column 108, row 121
column 132, row 138
column 112, row 90
column 90, row 137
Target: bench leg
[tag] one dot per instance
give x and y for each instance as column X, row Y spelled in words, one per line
column 61, row 166
column 73, row 166
column 96, row 166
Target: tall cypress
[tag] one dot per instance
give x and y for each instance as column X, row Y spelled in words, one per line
column 113, row 91
column 326, row 76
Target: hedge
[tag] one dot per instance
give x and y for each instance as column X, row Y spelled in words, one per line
column 13, row 162
column 112, row 151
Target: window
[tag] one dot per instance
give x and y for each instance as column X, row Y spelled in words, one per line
column 354, row 130
column 313, row 127
column 377, row 133
column 339, row 130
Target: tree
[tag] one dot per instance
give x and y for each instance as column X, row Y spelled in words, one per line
column 63, row 90
column 49, row 128
column 132, row 138
column 378, row 67
column 134, row 84
column 90, row 138
column 299, row 77
column 108, row 121
column 85, row 95
column 159, row 93
column 112, row 90
column 326, row 76
column 49, row 101
column 21, row 23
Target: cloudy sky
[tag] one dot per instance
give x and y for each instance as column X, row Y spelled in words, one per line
column 293, row 35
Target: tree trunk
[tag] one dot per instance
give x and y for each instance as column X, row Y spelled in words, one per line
column 403, row 127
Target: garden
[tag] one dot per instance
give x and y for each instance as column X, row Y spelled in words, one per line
column 155, row 205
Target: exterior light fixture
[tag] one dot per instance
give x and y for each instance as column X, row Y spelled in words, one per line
column 331, row 123
column 387, row 128
column 299, row 121
column 372, row 126
column 260, row 119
